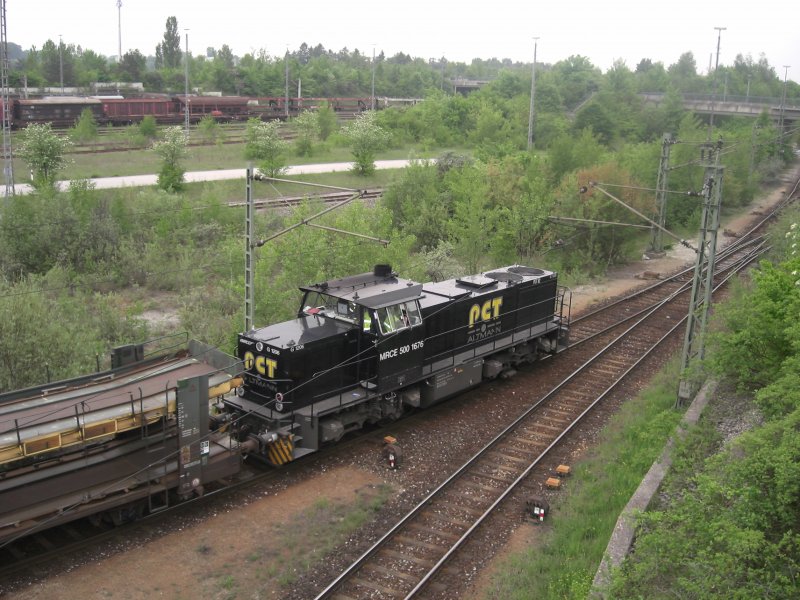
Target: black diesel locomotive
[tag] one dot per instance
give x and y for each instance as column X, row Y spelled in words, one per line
column 367, row 348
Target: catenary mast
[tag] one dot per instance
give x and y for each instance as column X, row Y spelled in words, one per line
column 8, row 158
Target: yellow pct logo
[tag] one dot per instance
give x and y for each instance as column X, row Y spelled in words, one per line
column 486, row 311
column 264, row 366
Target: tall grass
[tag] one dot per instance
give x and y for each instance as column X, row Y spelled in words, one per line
column 584, row 513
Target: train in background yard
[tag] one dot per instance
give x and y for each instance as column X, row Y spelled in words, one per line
column 64, row 111
column 362, row 350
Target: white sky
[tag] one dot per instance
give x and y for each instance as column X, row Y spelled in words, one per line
column 601, row 30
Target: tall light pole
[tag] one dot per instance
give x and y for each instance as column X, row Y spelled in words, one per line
column 533, row 95
column 286, row 88
column 119, row 27
column 373, row 76
column 8, row 157
column 716, row 66
column 783, row 100
column 719, row 38
column 186, row 89
column 61, row 63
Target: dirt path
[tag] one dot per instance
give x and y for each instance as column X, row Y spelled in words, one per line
column 216, row 558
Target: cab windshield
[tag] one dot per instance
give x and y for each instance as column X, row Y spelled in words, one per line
column 329, row 306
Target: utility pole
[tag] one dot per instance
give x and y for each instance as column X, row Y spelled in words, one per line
column 373, row 76
column 286, row 90
column 702, row 285
column 533, row 95
column 61, row 62
column 783, row 100
column 656, row 248
column 186, row 89
column 8, row 156
column 249, row 257
column 714, row 95
column 119, row 27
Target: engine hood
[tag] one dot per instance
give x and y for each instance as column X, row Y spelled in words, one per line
column 298, row 332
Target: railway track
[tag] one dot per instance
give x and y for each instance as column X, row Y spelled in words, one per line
column 410, row 559
column 411, row 555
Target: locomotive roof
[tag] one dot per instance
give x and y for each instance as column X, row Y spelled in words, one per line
column 492, row 281
column 369, row 289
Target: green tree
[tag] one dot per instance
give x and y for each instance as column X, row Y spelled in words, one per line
column 44, row 151
column 493, row 133
column 265, row 146
column 90, row 67
column 209, row 129
column 568, row 153
column 223, row 71
column 758, row 353
column 326, row 121
column 55, row 60
column 596, row 118
column 168, row 52
column 306, row 125
column 594, row 247
column 366, row 138
column 172, row 149
column 577, row 80
column 418, row 205
column 77, row 327
column 148, row 127
column 132, row 67
column 85, row 129
column 470, row 227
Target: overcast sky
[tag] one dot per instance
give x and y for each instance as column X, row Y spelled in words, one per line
column 601, row 30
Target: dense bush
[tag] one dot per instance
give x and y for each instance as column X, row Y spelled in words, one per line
column 731, row 527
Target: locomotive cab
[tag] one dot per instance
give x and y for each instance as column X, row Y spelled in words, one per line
column 362, row 331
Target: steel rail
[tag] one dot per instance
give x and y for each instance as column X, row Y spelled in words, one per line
column 427, row 578
column 411, row 515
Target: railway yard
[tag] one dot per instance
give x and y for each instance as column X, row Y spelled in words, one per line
column 262, row 539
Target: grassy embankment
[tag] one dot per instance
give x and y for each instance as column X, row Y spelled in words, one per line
column 585, row 512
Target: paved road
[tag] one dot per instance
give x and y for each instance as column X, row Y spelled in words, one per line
column 193, row 176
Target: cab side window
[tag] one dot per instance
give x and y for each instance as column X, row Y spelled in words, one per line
column 398, row 316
